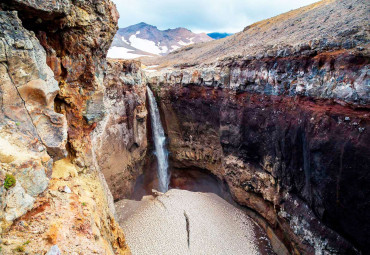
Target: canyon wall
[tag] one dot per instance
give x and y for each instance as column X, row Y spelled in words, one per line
column 76, row 36
column 32, row 133
column 120, row 139
column 52, row 69
column 288, row 133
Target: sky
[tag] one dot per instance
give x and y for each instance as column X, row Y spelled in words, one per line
column 202, row 15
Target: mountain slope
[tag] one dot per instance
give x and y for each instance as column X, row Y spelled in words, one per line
column 325, row 22
column 147, row 40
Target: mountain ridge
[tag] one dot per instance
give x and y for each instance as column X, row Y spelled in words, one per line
column 143, row 39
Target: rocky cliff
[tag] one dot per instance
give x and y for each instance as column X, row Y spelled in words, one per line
column 76, row 37
column 52, row 69
column 287, row 128
column 120, row 139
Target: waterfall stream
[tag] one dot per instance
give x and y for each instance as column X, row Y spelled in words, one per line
column 159, row 143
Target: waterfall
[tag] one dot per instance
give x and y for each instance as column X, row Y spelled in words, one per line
column 159, row 143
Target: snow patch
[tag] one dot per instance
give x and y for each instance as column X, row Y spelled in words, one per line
column 124, row 40
column 175, row 47
column 184, row 43
column 122, row 53
column 146, row 45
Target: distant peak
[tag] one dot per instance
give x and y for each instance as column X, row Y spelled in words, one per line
column 143, row 24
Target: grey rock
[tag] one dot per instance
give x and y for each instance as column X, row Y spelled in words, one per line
column 18, row 202
column 67, row 190
column 54, row 250
column 33, row 180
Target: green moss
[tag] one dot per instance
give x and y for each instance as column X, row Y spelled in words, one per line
column 9, row 181
column 18, row 124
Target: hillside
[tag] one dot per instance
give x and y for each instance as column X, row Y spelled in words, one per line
column 325, row 23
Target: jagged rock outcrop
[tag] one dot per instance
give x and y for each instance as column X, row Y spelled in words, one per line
column 287, row 128
column 52, row 62
column 120, row 139
column 76, row 36
column 72, row 214
column 32, row 134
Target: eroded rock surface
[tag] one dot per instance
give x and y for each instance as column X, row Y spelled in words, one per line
column 120, row 139
column 76, row 36
column 76, row 221
column 32, row 134
column 52, row 62
column 287, row 128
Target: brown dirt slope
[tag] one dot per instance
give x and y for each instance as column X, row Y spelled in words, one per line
column 328, row 23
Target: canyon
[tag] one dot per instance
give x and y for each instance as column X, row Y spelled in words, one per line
column 274, row 119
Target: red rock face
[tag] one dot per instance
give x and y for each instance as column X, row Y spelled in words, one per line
column 76, row 37
column 301, row 162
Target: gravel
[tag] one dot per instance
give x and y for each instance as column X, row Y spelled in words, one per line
column 184, row 222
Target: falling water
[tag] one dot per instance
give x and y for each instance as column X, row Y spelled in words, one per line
column 159, row 143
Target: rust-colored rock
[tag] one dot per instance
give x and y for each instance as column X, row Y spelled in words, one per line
column 76, row 37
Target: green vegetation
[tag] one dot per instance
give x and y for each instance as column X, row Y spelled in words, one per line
column 9, row 181
column 18, row 124
column 26, row 242
column 19, row 248
column 83, row 204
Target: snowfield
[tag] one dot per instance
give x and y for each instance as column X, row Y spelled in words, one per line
column 121, row 52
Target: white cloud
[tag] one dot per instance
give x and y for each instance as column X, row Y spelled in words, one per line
column 203, row 15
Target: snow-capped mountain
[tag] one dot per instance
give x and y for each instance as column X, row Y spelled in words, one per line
column 147, row 40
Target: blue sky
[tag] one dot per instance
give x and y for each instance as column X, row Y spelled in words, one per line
column 203, row 15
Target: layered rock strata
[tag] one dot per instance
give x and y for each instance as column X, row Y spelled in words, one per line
column 288, row 134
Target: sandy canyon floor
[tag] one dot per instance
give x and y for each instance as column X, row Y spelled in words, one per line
column 184, row 222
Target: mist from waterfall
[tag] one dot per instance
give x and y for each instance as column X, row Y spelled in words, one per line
column 159, row 143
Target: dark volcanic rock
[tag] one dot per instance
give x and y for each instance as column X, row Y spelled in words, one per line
column 300, row 163
column 289, row 135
